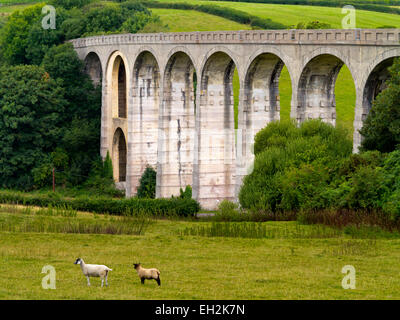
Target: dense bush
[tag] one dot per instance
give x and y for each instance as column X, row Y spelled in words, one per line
column 147, row 184
column 156, row 207
column 293, row 165
column 311, row 167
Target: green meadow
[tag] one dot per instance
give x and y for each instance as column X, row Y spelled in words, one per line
column 293, row 14
column 291, row 261
column 188, row 20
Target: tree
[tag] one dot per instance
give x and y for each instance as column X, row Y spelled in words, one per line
column 381, row 129
column 31, row 105
column 147, row 184
column 14, row 35
column 81, row 135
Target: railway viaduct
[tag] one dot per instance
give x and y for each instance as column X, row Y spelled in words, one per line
column 167, row 98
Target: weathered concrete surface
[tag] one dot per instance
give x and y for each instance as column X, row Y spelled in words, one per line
column 177, row 114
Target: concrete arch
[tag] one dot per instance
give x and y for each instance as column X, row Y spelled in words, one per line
column 316, row 86
column 143, row 49
column 388, row 54
column 177, row 123
column 185, row 50
column 119, row 156
column 225, row 50
column 372, row 83
column 344, row 57
column 375, row 76
column 272, row 50
column 260, row 104
column 93, row 67
column 144, row 116
column 214, row 172
column 118, row 96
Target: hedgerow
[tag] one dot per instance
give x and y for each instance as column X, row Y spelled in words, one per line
column 156, row 207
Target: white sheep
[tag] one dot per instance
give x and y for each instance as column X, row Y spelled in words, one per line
column 94, row 270
column 147, row 273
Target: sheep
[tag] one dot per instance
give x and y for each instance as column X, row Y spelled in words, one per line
column 94, row 270
column 147, row 273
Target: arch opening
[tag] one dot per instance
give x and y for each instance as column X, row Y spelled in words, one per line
column 145, row 116
column 178, row 125
column 215, row 169
column 119, row 89
column 316, row 90
column 92, row 67
column 261, row 101
column 375, row 84
column 119, row 156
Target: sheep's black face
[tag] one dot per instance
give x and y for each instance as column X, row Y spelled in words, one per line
column 78, row 261
column 136, row 265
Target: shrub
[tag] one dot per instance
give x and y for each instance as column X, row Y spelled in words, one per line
column 147, row 184
column 293, row 165
column 187, row 194
column 132, row 206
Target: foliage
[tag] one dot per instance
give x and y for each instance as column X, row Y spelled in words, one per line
column 147, row 184
column 381, row 128
column 69, row 4
column 313, row 25
column 186, row 194
column 131, row 206
column 293, row 165
column 101, row 180
column 32, row 106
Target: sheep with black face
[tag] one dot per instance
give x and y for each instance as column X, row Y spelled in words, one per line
column 93, row 270
column 147, row 273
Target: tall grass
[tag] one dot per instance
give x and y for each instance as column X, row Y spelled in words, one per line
column 350, row 219
column 257, row 230
column 64, row 220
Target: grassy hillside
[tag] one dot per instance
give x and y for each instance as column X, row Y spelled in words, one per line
column 289, row 14
column 188, row 20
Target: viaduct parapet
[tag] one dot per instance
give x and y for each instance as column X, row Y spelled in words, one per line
column 167, row 98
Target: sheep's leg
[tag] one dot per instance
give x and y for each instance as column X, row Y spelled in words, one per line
column 88, row 281
column 102, row 281
column 142, row 280
column 106, row 278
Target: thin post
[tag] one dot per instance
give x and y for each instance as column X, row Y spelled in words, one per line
column 54, row 182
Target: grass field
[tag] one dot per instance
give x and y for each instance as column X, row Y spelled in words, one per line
column 187, row 20
column 285, row 266
column 289, row 14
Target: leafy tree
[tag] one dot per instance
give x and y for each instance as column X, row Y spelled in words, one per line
column 31, row 105
column 147, row 184
column 14, row 35
column 69, row 4
column 293, row 165
column 381, row 129
column 81, row 136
